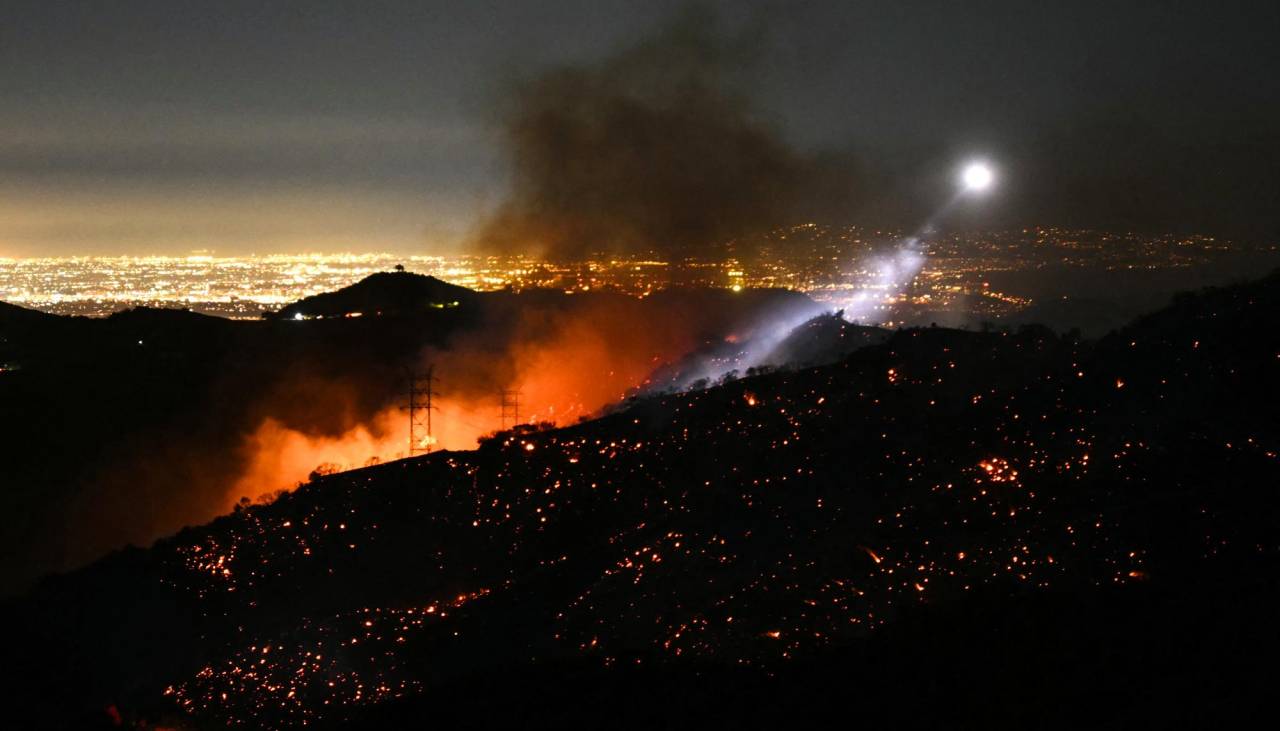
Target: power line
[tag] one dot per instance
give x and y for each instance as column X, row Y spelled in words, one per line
column 421, row 394
column 510, row 407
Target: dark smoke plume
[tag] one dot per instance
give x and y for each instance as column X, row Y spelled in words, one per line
column 653, row 149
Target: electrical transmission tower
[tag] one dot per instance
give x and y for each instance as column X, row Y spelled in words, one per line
column 510, row 407
column 420, row 406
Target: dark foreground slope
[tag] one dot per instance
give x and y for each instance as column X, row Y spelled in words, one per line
column 950, row 528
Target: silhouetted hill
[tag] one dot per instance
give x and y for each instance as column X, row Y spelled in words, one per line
column 969, row 529
column 386, row 293
column 17, row 325
column 160, row 316
column 15, row 322
column 13, row 314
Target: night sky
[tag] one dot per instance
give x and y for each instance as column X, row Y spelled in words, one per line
column 166, row 126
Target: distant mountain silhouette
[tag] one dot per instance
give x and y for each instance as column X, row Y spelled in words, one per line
column 17, row 326
column 162, row 318
column 17, row 322
column 986, row 529
column 13, row 313
column 386, row 293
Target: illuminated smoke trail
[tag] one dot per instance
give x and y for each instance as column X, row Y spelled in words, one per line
column 894, row 273
column 896, row 270
column 751, row 350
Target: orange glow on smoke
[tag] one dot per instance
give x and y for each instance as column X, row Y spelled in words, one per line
column 281, row 457
column 592, row 362
column 577, row 366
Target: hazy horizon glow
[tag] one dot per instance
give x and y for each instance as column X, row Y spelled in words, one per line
column 252, row 220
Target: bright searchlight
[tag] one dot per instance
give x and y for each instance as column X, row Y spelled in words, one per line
column 977, row 177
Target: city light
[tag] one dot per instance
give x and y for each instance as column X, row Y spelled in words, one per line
column 869, row 272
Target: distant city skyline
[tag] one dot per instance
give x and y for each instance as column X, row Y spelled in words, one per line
column 965, row 278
